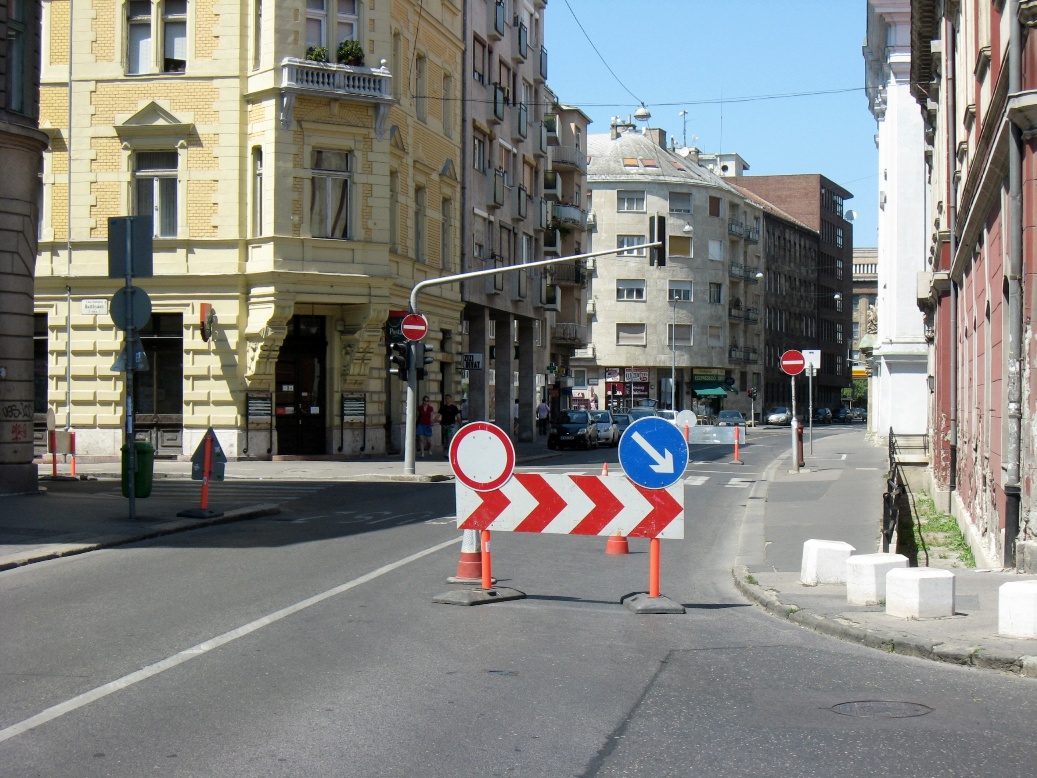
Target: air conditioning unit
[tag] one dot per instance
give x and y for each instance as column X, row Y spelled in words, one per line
column 592, row 307
column 589, row 263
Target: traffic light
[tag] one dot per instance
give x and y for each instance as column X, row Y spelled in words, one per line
column 657, row 232
column 752, row 393
column 398, row 356
column 423, row 355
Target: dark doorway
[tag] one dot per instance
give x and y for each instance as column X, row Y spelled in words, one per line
column 300, row 396
column 158, row 392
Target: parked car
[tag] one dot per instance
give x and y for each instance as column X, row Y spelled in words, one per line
column 860, row 414
column 622, row 422
column 668, row 415
column 608, row 432
column 730, row 419
column 574, row 429
column 822, row 415
column 778, row 415
column 640, row 412
column 844, row 416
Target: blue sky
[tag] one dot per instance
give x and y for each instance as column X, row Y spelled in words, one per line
column 706, row 57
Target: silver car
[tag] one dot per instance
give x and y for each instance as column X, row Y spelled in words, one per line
column 778, row 415
column 608, row 430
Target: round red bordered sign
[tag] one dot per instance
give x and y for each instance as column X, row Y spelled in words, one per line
column 792, row 362
column 482, row 456
column 414, row 326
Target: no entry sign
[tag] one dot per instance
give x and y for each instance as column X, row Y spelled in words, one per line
column 414, row 326
column 792, row 362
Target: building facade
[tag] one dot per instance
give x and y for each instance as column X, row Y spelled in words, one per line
column 21, row 148
column 816, row 284
column 898, row 353
column 977, row 99
column 298, row 189
column 525, row 174
column 686, row 335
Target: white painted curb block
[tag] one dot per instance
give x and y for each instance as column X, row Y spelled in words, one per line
column 1017, row 609
column 919, row 593
column 866, row 577
column 824, row 562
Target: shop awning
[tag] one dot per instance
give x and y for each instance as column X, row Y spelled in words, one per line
column 710, row 389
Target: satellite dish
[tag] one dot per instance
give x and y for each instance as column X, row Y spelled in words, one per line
column 851, row 215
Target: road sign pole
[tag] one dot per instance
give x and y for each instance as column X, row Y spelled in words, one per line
column 131, row 338
column 412, row 409
column 810, row 397
column 795, row 427
column 206, row 471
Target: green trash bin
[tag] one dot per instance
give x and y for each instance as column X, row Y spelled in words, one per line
column 145, row 469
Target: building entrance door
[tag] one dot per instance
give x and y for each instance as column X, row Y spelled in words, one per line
column 300, row 404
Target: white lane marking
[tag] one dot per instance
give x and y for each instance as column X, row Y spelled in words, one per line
column 56, row 711
column 738, row 483
column 696, row 480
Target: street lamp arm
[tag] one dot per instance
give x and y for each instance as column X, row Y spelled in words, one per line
column 508, row 268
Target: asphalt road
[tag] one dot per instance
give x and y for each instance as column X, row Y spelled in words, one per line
column 308, row 644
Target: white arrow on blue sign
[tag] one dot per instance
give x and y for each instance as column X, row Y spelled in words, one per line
column 653, row 453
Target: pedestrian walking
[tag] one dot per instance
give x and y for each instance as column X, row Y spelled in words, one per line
column 542, row 412
column 448, row 416
column 425, row 413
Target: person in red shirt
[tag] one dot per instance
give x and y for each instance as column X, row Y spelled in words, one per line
column 425, row 412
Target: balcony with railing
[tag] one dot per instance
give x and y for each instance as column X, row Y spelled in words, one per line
column 569, row 274
column 521, row 42
column 552, row 241
column 521, row 123
column 736, row 270
column 569, row 334
column 521, row 201
column 542, row 75
column 735, row 313
column 735, row 229
column 569, row 156
column 540, row 149
column 552, row 185
column 500, row 99
column 544, row 216
column 735, row 354
column 499, row 25
column 498, row 188
column 752, row 315
column 752, row 355
column 351, row 83
column 551, row 127
column 569, row 214
column 752, row 234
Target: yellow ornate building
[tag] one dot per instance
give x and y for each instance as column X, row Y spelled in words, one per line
column 295, row 203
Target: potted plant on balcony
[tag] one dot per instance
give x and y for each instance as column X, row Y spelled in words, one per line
column 317, row 54
column 350, row 52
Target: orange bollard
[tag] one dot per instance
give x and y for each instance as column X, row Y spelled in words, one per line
column 736, row 460
column 604, row 468
column 52, row 444
column 687, row 431
column 72, row 453
column 487, row 576
column 617, row 544
column 653, row 568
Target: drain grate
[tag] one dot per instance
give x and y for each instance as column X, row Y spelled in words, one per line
column 881, row 709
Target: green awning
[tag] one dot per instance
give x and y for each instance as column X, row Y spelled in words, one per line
column 709, row 389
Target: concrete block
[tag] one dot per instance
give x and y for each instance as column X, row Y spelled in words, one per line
column 1017, row 609
column 919, row 593
column 824, row 561
column 866, row 577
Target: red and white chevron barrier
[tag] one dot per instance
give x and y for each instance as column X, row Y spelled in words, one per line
column 574, row 505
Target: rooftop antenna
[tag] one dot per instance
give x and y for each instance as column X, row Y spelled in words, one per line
column 684, row 116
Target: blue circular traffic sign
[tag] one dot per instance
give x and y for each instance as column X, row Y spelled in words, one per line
column 653, row 452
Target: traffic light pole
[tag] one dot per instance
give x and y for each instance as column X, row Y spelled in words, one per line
column 412, row 368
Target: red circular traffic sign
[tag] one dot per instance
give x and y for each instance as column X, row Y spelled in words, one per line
column 414, row 326
column 792, row 362
column 482, row 456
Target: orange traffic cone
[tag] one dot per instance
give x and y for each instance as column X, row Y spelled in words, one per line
column 469, row 569
column 604, row 468
column 617, row 544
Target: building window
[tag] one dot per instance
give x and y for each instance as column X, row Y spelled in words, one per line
column 680, row 202
column 716, row 293
column 448, row 106
column 330, row 194
column 630, row 200
column 630, row 289
column 419, row 224
column 138, row 50
column 140, row 32
column 421, row 87
column 716, row 250
column 257, row 33
column 579, row 376
column 630, row 242
column 715, row 206
column 838, row 333
column 681, row 335
column 631, row 334
column 394, row 211
column 680, row 246
column 479, row 152
column 174, row 36
column 155, row 190
column 18, row 70
column 39, row 360
column 681, row 291
column 479, row 61
column 446, row 236
column 160, row 389
column 257, row 191
column 839, row 237
column 715, row 336
column 397, row 63
column 345, row 23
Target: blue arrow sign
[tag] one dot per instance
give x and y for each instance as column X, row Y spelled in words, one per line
column 653, row 453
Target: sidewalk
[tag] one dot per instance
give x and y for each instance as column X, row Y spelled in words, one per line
column 840, row 498
column 75, row 515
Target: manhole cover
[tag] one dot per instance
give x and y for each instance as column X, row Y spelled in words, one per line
column 881, row 709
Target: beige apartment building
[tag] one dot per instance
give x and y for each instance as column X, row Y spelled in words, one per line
column 295, row 203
